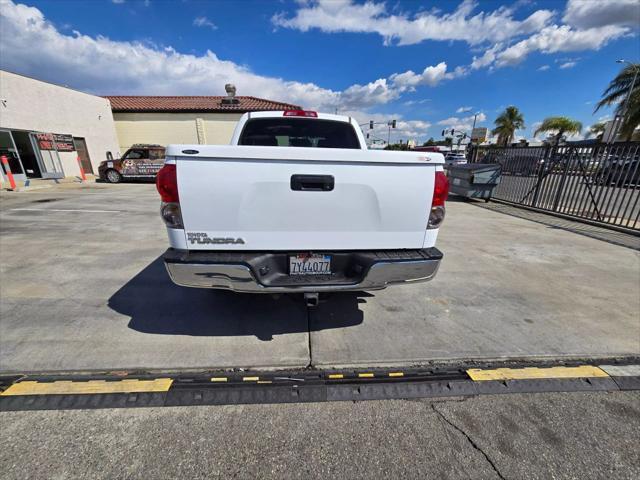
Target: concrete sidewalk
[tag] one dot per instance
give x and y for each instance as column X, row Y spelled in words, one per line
column 534, row 436
column 83, row 289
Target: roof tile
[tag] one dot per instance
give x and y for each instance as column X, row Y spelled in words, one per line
column 194, row 104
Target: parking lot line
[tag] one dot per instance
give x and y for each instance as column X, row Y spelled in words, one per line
column 584, row 371
column 65, row 387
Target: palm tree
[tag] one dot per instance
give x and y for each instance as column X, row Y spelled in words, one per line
column 617, row 92
column 597, row 129
column 506, row 125
column 561, row 125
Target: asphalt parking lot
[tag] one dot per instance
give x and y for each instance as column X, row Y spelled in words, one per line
column 83, row 289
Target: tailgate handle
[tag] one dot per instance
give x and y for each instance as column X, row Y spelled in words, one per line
column 312, row 183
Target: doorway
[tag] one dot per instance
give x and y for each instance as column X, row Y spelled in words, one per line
column 27, row 154
column 83, row 154
column 44, row 146
column 8, row 149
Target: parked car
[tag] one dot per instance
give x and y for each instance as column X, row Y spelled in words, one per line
column 619, row 171
column 141, row 161
column 297, row 203
column 455, row 158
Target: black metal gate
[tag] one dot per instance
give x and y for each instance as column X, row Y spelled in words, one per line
column 598, row 183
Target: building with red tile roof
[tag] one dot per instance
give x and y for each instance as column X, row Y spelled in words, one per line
column 183, row 119
column 194, row 104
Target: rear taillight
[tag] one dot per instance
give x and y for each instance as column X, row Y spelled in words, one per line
column 300, row 113
column 440, row 192
column 167, row 185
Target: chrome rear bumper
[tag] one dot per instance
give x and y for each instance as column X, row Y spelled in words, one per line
column 240, row 275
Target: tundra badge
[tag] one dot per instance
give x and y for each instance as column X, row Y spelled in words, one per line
column 202, row 238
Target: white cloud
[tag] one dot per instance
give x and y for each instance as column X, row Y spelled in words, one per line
column 364, row 96
column 566, row 65
column 416, row 102
column 405, row 129
column 544, row 68
column 204, row 22
column 590, row 24
column 103, row 66
column 430, row 76
column 597, row 13
column 118, row 2
column 403, row 29
column 464, row 109
column 556, row 38
column 487, row 58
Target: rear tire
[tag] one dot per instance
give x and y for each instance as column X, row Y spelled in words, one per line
column 113, row 176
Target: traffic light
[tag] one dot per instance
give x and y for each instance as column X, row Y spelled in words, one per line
column 393, row 124
column 370, row 124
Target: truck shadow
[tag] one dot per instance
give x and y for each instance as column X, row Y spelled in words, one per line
column 157, row 306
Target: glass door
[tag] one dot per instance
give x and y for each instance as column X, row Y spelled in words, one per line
column 48, row 158
column 8, row 149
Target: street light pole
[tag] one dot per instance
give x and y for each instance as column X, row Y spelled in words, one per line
column 475, row 115
column 626, row 100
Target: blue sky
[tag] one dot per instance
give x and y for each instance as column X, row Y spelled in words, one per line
column 430, row 64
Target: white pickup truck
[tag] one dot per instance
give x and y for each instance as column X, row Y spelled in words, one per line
column 297, row 203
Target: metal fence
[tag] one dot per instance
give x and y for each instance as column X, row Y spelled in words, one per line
column 598, row 183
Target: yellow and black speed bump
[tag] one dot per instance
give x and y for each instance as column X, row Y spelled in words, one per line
column 122, row 389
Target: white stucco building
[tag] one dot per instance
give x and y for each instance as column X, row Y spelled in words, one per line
column 44, row 128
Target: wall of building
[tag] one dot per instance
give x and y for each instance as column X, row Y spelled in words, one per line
column 29, row 104
column 166, row 128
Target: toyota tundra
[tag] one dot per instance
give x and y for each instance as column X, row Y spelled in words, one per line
column 297, row 203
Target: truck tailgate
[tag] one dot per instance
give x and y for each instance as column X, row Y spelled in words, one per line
column 252, row 204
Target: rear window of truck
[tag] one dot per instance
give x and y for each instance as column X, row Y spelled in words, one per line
column 299, row 132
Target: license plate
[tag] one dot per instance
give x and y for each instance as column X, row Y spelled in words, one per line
column 309, row 264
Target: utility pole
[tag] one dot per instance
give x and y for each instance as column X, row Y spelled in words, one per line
column 475, row 115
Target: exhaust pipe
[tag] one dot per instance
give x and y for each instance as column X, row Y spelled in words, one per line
column 312, row 299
